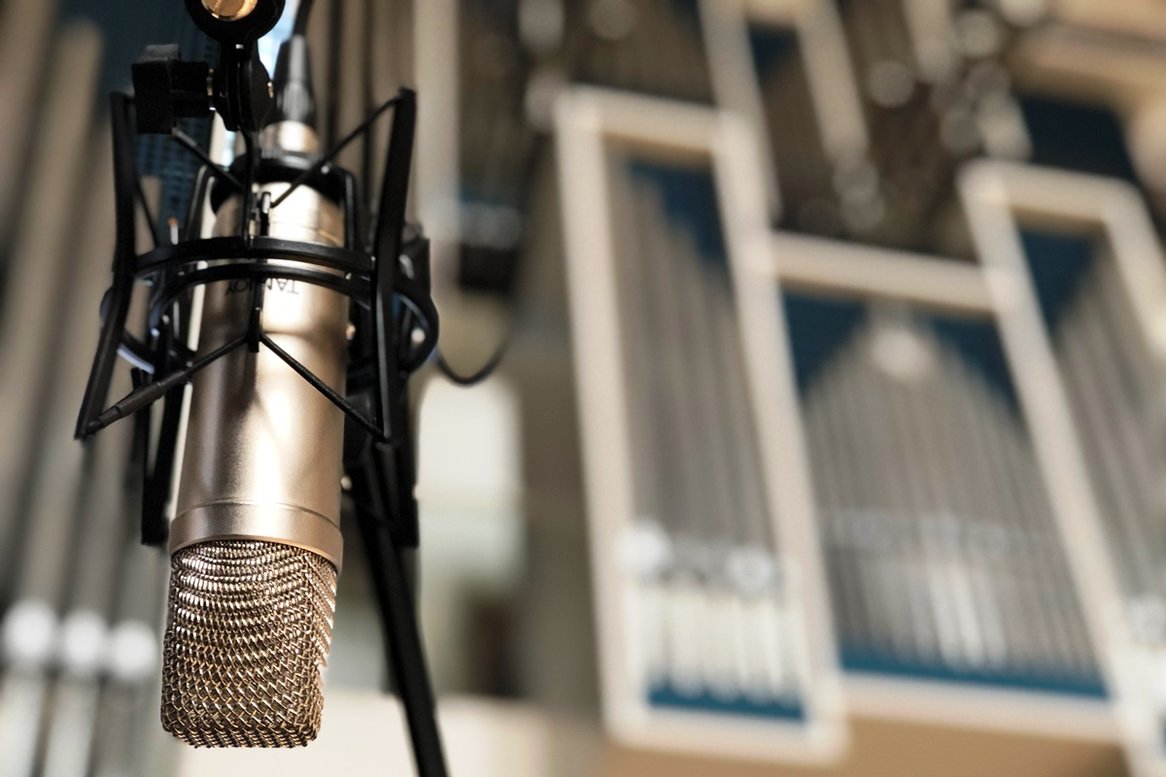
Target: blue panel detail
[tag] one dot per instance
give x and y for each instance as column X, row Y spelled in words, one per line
column 1058, row 264
column 688, row 11
column 483, row 193
column 128, row 26
column 978, row 344
column 689, row 196
column 819, row 327
column 861, row 659
column 161, row 157
column 1077, row 136
column 771, row 47
column 666, row 696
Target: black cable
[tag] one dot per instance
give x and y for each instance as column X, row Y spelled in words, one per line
column 303, row 13
column 473, row 379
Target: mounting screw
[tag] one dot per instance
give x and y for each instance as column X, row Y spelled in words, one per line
column 230, row 10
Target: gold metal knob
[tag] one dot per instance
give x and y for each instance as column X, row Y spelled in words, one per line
column 230, row 10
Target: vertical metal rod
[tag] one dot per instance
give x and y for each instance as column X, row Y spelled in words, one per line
column 875, row 522
column 688, row 502
column 964, row 514
column 981, row 435
column 1109, row 392
column 828, row 440
column 652, row 461
column 925, row 501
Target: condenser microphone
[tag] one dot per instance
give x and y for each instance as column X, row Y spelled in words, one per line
column 298, row 321
column 255, row 543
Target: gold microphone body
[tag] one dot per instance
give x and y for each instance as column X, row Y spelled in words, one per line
column 255, row 543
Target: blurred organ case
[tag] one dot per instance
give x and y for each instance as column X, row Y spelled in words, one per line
column 972, row 580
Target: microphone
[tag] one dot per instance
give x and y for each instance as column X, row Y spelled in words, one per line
column 297, row 324
column 255, row 544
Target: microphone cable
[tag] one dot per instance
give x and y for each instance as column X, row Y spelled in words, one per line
column 484, row 372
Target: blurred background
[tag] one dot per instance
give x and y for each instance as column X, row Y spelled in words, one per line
column 831, row 434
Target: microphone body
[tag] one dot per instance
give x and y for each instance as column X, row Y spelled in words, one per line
column 255, row 544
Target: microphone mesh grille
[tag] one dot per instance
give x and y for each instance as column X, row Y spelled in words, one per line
column 247, row 639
